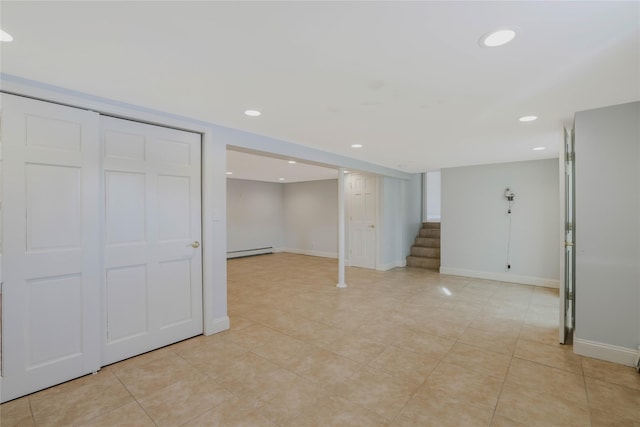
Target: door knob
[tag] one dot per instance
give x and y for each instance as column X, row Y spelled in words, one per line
column 372, row 226
column 195, row 244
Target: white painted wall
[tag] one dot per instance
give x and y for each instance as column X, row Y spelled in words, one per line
column 608, row 232
column 311, row 217
column 433, row 196
column 475, row 223
column 255, row 215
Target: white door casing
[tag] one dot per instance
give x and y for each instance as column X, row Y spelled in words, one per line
column 362, row 224
column 152, row 228
column 50, row 175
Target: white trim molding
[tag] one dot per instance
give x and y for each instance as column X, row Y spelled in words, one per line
column 502, row 277
column 391, row 265
column 218, row 325
column 608, row 352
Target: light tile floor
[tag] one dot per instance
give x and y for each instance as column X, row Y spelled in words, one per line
column 406, row 347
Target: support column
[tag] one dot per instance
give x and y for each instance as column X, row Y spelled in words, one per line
column 341, row 250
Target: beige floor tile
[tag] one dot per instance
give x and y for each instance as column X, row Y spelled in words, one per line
column 79, row 400
column 143, row 359
column 283, row 350
column 542, row 334
column 255, row 377
column 557, row 356
column 619, row 401
column 466, row 384
column 607, row 419
column 470, row 357
column 500, row 421
column 325, row 367
column 337, row 412
column 288, row 403
column 611, row 372
column 253, row 336
column 377, row 391
column 234, row 412
column 129, row 415
column 142, row 380
column 213, row 355
column 545, row 380
column 355, row 347
column 499, row 342
column 16, row 413
column 405, row 363
column 425, row 343
column 184, row 400
column 436, row 409
column 497, row 323
column 534, row 409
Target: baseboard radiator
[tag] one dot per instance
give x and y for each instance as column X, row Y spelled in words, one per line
column 249, row 252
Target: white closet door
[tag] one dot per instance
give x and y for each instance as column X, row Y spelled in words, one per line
column 50, row 265
column 152, row 223
column 363, row 221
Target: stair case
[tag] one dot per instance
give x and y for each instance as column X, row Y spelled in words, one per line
column 425, row 253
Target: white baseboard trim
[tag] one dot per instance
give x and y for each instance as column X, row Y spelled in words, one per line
column 389, row 266
column 610, row 353
column 218, row 325
column 250, row 252
column 308, row 252
column 501, row 277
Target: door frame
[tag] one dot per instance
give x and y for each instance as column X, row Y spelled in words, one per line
column 214, row 274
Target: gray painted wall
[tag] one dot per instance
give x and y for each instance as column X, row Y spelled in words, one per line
column 255, row 214
column 311, row 217
column 475, row 223
column 608, row 225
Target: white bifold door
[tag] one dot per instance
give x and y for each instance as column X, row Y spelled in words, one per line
column 51, row 250
column 101, row 222
column 152, row 254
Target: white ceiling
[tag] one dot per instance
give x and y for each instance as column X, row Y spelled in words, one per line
column 407, row 80
column 261, row 168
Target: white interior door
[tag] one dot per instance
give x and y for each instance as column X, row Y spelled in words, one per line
column 51, row 259
column 152, row 223
column 362, row 224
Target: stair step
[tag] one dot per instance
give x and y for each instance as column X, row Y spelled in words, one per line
column 425, row 252
column 427, row 242
column 429, row 232
column 429, row 263
column 431, row 225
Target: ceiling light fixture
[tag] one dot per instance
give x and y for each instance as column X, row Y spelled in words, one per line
column 497, row 38
column 356, row 145
column 280, row 179
column 229, row 173
column 346, row 171
column 292, row 162
column 528, row 118
column 252, row 113
column 538, row 148
column 5, row 37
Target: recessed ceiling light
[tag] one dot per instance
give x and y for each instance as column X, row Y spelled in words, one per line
column 538, row 148
column 280, row 179
column 346, row 171
column 229, row 173
column 252, row 113
column 356, row 145
column 497, row 38
column 5, row 37
column 292, row 162
column 528, row 118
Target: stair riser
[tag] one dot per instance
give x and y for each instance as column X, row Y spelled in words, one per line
column 423, row 263
column 425, row 252
column 433, row 233
column 431, row 225
column 427, row 242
